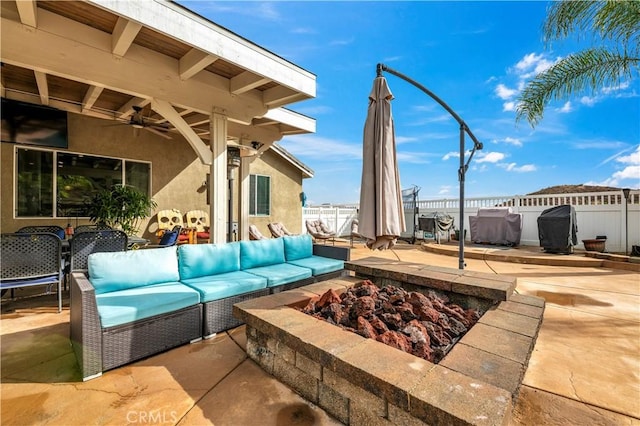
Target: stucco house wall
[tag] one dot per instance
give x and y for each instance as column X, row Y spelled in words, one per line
column 286, row 186
column 177, row 176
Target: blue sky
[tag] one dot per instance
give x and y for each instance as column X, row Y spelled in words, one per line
column 475, row 56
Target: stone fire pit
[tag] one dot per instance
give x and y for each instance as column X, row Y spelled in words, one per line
column 362, row 381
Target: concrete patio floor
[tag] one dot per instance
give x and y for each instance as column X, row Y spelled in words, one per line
column 585, row 368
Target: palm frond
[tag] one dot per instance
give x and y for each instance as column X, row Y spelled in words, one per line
column 611, row 19
column 567, row 17
column 587, row 70
column 620, row 21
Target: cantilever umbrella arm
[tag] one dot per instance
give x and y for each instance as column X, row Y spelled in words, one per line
column 463, row 129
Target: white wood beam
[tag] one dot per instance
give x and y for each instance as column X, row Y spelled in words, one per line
column 123, row 35
column 182, row 114
column 43, row 87
column 57, row 104
column 291, row 118
column 193, row 62
column 245, row 82
column 279, row 96
column 28, row 11
column 91, row 96
column 166, row 110
column 127, row 109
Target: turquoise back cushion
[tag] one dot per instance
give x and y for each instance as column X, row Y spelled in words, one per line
column 200, row 260
column 134, row 268
column 298, row 247
column 256, row 253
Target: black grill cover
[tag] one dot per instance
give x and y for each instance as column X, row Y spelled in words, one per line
column 558, row 229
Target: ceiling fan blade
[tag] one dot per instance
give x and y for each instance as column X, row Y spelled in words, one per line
column 158, row 132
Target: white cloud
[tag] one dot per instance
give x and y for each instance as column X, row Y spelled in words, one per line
column 566, row 108
column 504, row 93
column 405, row 139
column 630, row 172
column 301, row 30
column 509, row 106
column 509, row 141
column 610, row 89
column 323, row 148
column 528, row 61
column 490, row 157
column 513, row 167
column 633, row 158
column 531, row 65
column 445, row 189
column 449, row 155
column 588, row 100
column 344, row 42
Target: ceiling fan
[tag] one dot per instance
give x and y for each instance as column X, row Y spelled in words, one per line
column 138, row 121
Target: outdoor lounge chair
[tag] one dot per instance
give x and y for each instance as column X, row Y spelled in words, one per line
column 354, row 231
column 319, row 231
column 255, row 234
column 278, row 229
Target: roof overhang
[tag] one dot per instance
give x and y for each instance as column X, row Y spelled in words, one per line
column 106, row 58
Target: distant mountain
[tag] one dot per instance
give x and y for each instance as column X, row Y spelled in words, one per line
column 573, row 189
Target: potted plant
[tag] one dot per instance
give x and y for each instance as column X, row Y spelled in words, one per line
column 120, row 207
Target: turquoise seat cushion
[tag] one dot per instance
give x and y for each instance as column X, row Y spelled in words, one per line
column 297, row 246
column 200, row 260
column 122, row 270
column 282, row 273
column 257, row 253
column 133, row 304
column 221, row 286
column 319, row 265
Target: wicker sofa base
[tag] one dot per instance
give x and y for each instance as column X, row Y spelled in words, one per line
column 98, row 349
column 218, row 314
column 131, row 342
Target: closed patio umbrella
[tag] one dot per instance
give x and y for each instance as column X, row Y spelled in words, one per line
column 381, row 215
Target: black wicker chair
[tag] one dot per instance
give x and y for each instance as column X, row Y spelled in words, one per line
column 29, row 259
column 84, row 243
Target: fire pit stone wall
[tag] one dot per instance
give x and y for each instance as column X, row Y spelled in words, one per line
column 361, row 381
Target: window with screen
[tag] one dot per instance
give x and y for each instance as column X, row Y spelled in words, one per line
column 259, row 195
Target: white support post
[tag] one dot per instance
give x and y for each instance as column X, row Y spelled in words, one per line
column 218, row 183
column 243, row 198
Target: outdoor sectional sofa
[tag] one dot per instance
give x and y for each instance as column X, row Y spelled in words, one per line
column 133, row 304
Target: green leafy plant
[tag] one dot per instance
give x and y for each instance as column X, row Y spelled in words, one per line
column 615, row 26
column 120, row 207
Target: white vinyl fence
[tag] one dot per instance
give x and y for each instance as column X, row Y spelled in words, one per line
column 597, row 213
